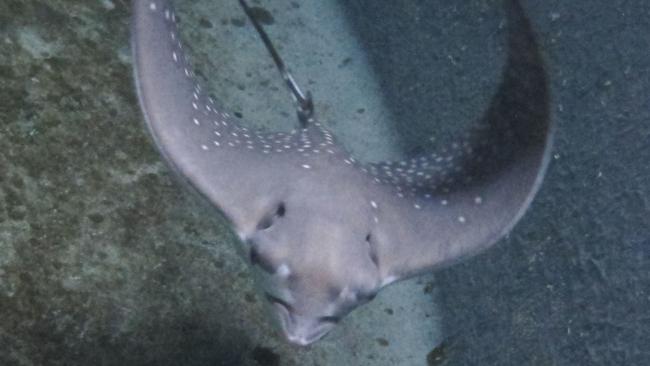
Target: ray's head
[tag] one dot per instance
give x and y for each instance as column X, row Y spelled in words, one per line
column 317, row 262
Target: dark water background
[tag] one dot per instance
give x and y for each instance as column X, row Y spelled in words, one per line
column 103, row 256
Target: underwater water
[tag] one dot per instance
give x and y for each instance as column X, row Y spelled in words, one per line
column 106, row 259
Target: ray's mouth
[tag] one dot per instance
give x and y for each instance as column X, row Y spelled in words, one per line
column 294, row 328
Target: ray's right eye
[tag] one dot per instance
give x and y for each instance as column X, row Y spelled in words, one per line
column 281, row 210
column 371, row 250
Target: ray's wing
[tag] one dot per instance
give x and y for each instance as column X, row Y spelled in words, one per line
column 448, row 205
column 241, row 171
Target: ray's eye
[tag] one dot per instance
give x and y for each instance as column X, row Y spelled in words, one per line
column 267, row 220
column 281, row 210
column 371, row 250
column 266, row 223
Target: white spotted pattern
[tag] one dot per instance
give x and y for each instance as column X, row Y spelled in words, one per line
column 426, row 179
column 227, row 132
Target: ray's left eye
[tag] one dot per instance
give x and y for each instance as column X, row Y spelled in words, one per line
column 269, row 219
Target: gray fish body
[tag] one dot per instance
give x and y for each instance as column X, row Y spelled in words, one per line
column 327, row 231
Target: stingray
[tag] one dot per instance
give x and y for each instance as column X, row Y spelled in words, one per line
column 326, row 230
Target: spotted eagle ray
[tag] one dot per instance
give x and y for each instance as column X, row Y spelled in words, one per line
column 327, row 231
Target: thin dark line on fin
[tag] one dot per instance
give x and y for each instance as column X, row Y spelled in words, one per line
column 304, row 101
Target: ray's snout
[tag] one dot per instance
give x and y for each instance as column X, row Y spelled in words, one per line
column 298, row 329
column 303, row 331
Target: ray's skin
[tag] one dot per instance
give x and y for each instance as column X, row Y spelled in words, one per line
column 328, row 231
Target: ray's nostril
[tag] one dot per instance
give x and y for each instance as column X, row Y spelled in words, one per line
column 274, row 300
column 329, row 319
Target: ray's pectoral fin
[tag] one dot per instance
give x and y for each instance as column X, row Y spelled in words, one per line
column 451, row 205
column 226, row 163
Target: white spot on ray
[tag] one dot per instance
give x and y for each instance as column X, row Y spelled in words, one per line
column 283, row 270
column 461, row 219
column 153, row 6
